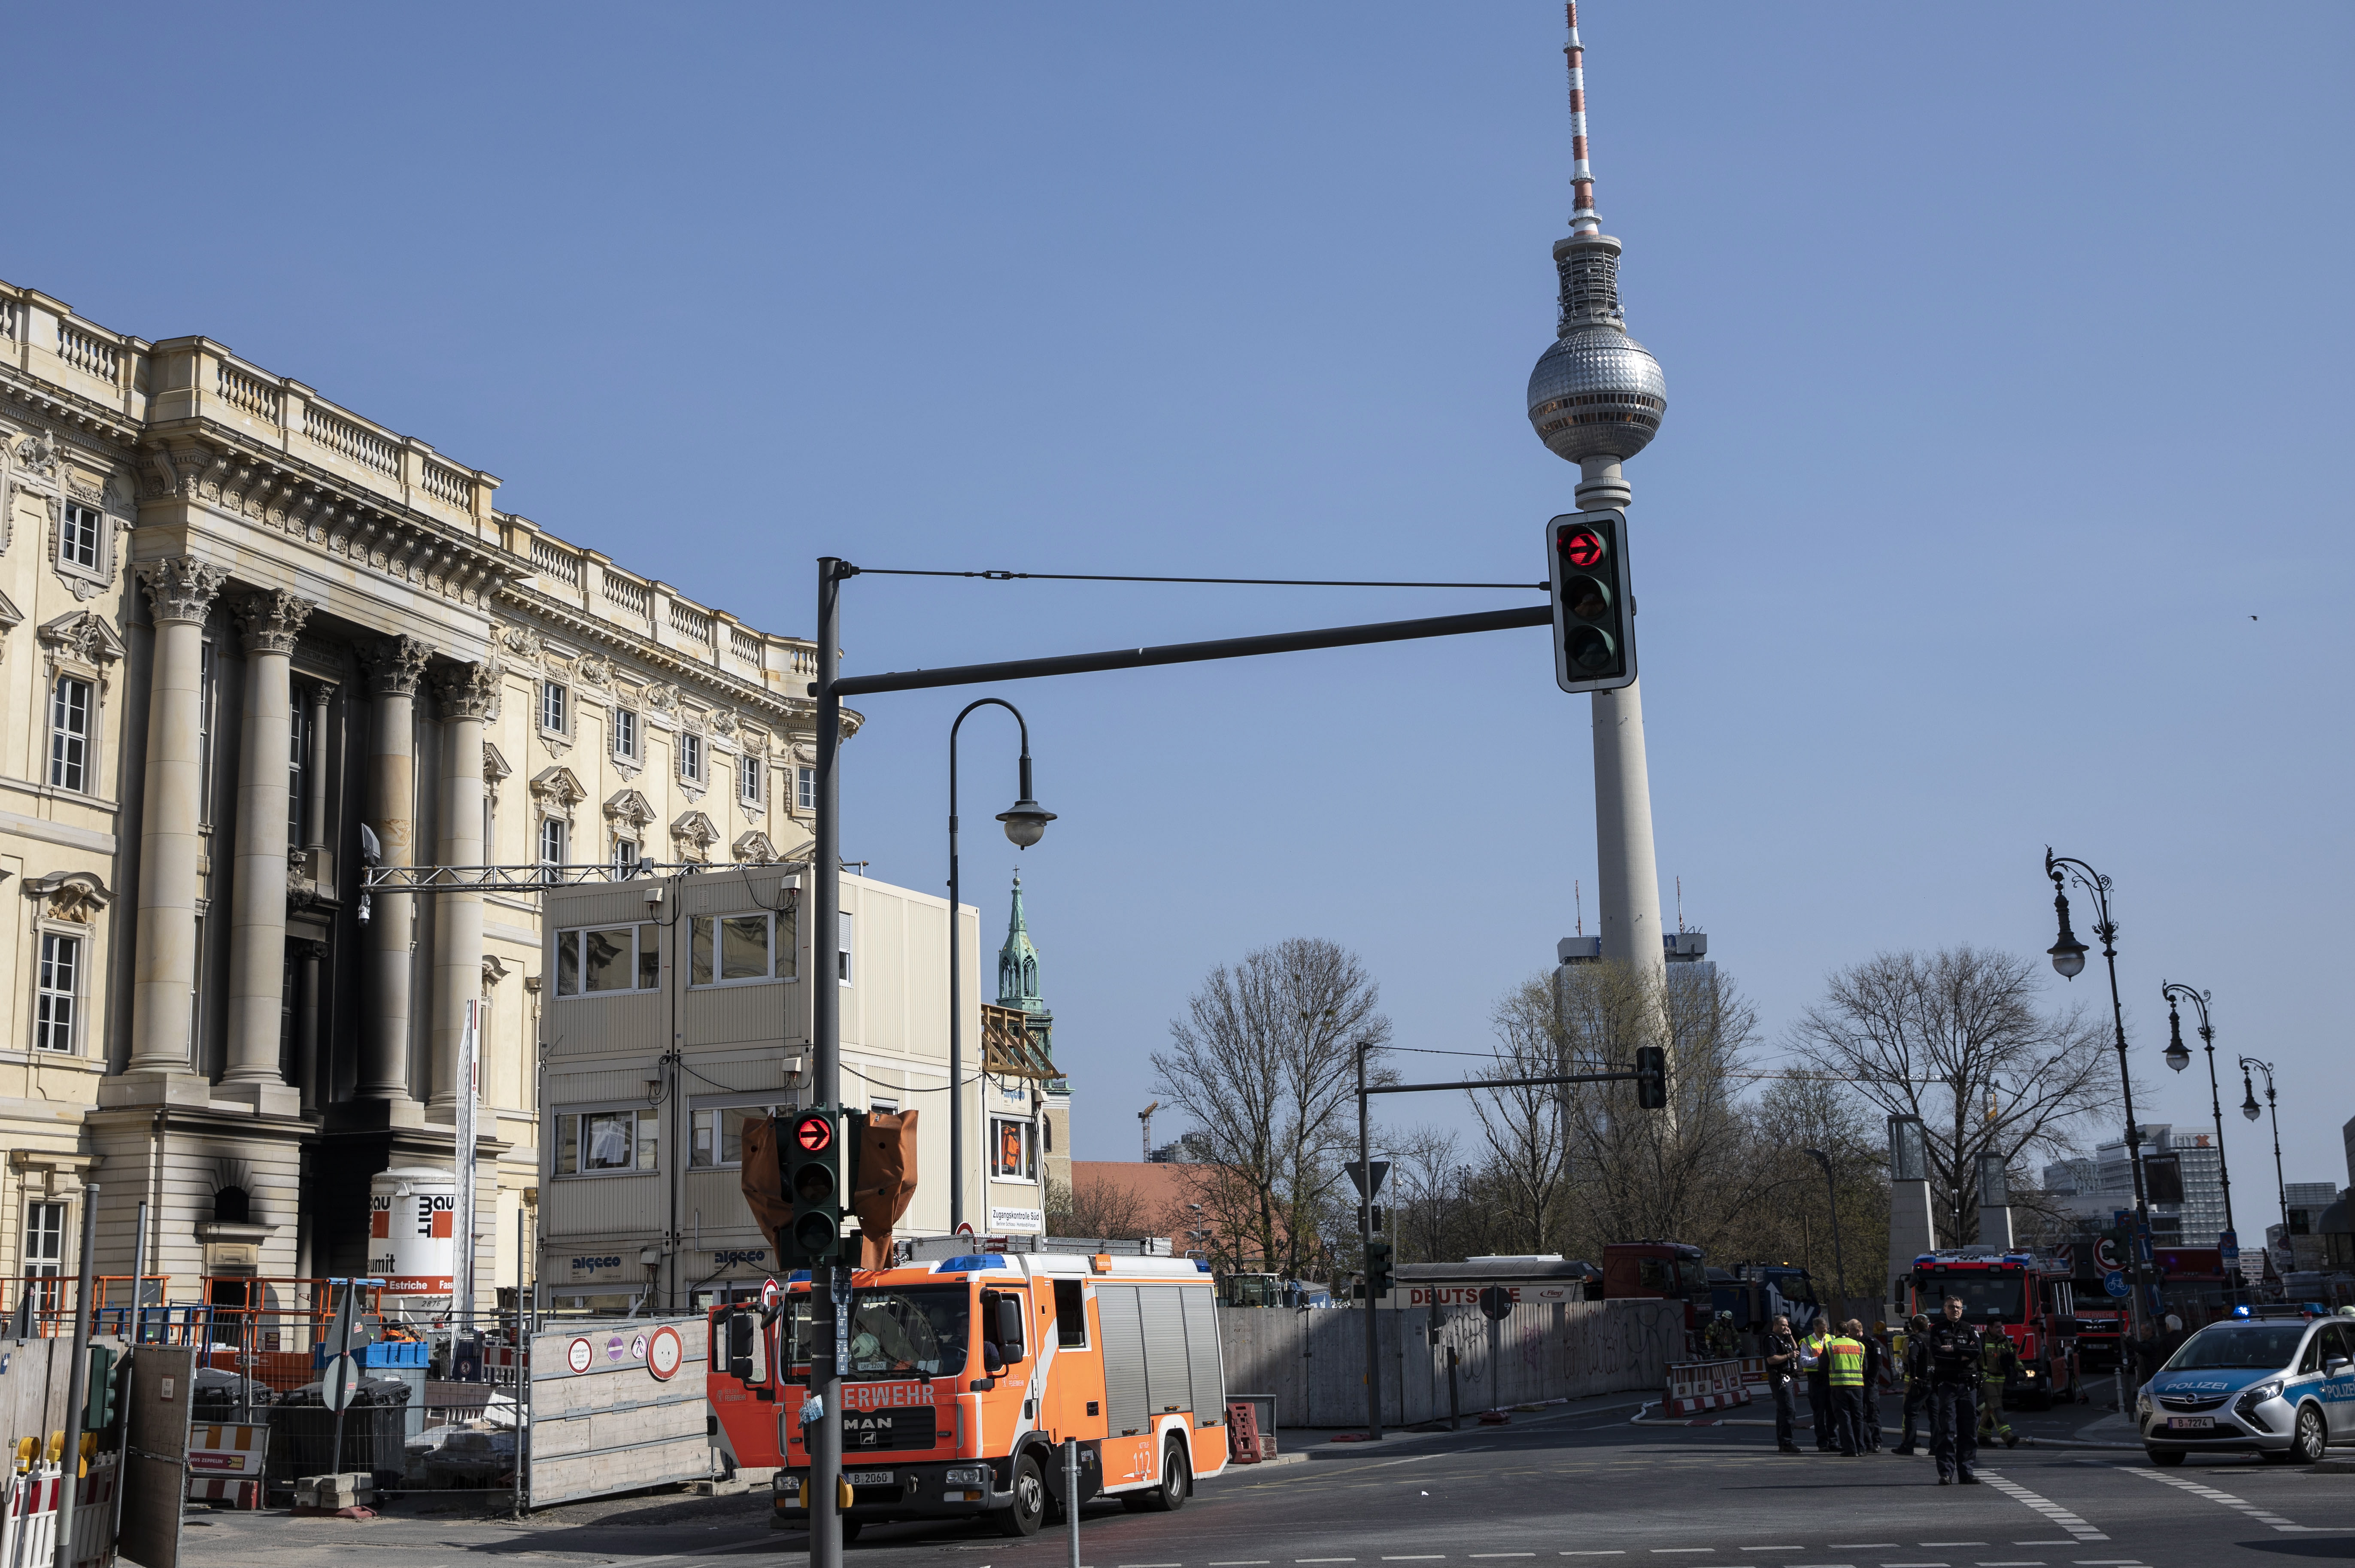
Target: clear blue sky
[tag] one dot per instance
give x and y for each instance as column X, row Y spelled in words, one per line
column 2000, row 499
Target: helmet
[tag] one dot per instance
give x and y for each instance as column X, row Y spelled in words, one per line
column 1725, row 1317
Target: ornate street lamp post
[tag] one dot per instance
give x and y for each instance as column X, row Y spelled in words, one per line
column 2248, row 1109
column 2179, row 1057
column 1026, row 822
column 2068, row 956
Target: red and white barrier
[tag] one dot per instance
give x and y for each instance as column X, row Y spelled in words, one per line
column 28, row 1515
column 1695, row 1386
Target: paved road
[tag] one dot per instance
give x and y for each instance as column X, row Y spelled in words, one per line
column 1584, row 1490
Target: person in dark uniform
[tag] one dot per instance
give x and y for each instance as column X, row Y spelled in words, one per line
column 1954, row 1394
column 1913, row 1365
column 1781, row 1367
column 1876, row 1364
column 1815, row 1360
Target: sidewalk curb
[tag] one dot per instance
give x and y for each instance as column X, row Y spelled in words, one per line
column 1472, row 1426
column 2078, row 1442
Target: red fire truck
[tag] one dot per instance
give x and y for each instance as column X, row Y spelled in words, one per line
column 2027, row 1298
column 1638, row 1271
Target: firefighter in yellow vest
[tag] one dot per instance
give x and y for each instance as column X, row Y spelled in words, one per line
column 1845, row 1355
column 1996, row 1359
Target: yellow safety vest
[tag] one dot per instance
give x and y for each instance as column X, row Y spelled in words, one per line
column 1848, row 1362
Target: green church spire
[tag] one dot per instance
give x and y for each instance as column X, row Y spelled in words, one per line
column 1017, row 962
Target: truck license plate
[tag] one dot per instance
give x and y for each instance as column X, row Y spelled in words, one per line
column 867, row 1478
column 2191, row 1424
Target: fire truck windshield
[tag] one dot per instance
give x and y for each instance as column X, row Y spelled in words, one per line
column 1986, row 1297
column 913, row 1331
column 1693, row 1279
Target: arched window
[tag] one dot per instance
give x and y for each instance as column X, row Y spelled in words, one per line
column 233, row 1206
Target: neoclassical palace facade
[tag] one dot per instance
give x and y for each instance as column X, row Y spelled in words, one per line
column 249, row 639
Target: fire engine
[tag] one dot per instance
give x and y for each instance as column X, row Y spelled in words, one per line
column 965, row 1377
column 1636, row 1271
column 2029, row 1299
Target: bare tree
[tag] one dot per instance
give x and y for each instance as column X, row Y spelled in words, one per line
column 1264, row 1064
column 1790, row 1215
column 1523, row 1124
column 1956, row 1038
column 1424, row 1193
column 1091, row 1206
column 1681, row 1172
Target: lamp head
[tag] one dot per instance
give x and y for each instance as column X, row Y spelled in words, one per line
column 2249, row 1098
column 2068, row 955
column 1026, row 822
column 2178, row 1056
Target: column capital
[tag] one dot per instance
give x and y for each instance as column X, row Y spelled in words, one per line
column 468, row 691
column 396, row 665
column 181, row 587
column 271, row 620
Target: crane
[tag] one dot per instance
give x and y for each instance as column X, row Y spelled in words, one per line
column 1145, row 1118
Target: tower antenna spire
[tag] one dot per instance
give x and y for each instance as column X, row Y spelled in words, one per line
column 1582, row 219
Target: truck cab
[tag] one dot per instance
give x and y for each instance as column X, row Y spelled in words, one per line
column 1655, row 1271
column 2016, row 1294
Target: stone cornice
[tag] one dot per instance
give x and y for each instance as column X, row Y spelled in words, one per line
column 205, row 463
column 800, row 712
column 58, row 406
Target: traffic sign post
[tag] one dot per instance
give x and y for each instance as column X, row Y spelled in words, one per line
column 336, row 1387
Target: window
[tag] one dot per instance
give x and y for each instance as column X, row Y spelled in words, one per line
column 625, row 858
column 690, row 757
column 1013, row 1148
column 842, row 949
column 81, row 538
column 45, row 1251
column 59, row 992
column 1071, row 1314
column 618, row 1140
column 552, row 706
column 806, row 789
column 729, row 948
column 70, row 707
column 552, row 833
column 718, row 1134
column 625, row 734
column 298, row 757
column 608, row 958
column 748, row 780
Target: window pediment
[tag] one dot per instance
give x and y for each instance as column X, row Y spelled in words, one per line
column 628, row 808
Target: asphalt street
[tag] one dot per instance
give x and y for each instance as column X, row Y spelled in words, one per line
column 1582, row 1489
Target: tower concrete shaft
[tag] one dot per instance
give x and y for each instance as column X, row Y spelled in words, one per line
column 1626, row 871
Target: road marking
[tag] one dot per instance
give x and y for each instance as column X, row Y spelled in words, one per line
column 1242, row 1562
column 1324, row 1560
column 2023, row 1562
column 1770, row 1549
column 2045, row 1506
column 1950, row 1544
column 1663, row 1551
column 2201, row 1489
column 1913, row 1565
column 1478, row 1555
column 1425, row 1557
column 1594, row 1554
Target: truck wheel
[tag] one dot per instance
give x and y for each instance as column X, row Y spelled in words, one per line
column 1176, row 1482
column 1029, row 1509
column 850, row 1528
column 2165, row 1456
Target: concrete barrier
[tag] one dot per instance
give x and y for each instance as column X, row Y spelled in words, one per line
column 1314, row 1362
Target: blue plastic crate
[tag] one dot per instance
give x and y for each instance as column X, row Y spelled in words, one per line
column 383, row 1353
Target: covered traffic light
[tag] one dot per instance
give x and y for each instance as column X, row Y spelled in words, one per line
column 1593, row 602
column 105, row 1385
column 1378, row 1279
column 813, row 1143
column 1651, row 1078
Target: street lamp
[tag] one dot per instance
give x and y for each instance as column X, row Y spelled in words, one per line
column 1025, row 821
column 2179, row 1057
column 1839, row 1257
column 2068, row 956
column 2248, row 1109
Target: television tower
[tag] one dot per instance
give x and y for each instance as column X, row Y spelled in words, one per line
column 1595, row 399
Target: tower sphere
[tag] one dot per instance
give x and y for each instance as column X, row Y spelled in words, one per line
column 1597, row 392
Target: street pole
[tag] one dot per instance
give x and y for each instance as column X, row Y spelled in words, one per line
column 2248, row 1109
column 77, row 1384
column 2172, row 991
column 1364, row 1241
column 956, row 964
column 2068, row 956
column 131, row 1372
column 825, row 1027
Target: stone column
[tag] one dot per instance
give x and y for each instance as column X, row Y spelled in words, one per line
column 314, row 789
column 257, row 938
column 469, row 694
column 395, row 666
column 164, row 960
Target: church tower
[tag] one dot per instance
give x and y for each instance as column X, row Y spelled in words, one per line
column 1017, row 987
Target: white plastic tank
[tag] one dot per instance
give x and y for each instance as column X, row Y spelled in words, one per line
column 412, row 1214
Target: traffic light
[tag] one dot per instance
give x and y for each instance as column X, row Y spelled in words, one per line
column 1379, row 1280
column 105, row 1387
column 815, row 1187
column 1651, row 1078
column 1593, row 602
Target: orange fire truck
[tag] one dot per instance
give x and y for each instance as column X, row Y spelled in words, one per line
column 2027, row 1298
column 966, row 1375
